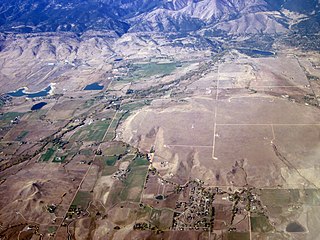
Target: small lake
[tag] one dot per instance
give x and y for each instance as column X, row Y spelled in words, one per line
column 93, row 87
column 38, row 106
column 160, row 197
column 22, row 93
column 256, row 52
column 295, row 227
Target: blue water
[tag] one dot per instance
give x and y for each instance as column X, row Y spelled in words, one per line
column 21, row 92
column 38, row 106
column 94, row 86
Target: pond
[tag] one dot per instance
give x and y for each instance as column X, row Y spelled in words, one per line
column 256, row 52
column 93, row 87
column 38, row 106
column 160, row 197
column 295, row 227
column 22, row 92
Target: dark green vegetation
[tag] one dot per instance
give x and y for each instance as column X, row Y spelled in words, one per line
column 47, row 155
column 139, row 161
column 111, row 160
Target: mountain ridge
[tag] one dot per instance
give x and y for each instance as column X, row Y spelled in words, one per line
column 230, row 16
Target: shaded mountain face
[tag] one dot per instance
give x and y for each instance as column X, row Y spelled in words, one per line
column 60, row 15
column 121, row 16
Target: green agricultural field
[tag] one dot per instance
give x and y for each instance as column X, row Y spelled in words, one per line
column 132, row 106
column 48, row 155
column 260, row 224
column 6, row 118
column 110, row 136
column 36, row 115
column 111, row 160
column 89, row 103
column 113, row 197
column 280, row 197
column 118, row 148
column 109, row 170
column 82, row 199
column 134, row 183
column 22, row 135
column 52, row 229
column 151, row 69
column 128, row 157
column 146, row 70
column 131, row 188
column 125, row 115
column 86, row 152
column 94, row 132
column 139, row 161
column 108, row 164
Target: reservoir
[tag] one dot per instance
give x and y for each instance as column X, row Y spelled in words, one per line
column 256, row 52
column 93, row 87
column 295, row 227
column 22, row 93
column 38, row 106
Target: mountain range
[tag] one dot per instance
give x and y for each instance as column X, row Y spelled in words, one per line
column 210, row 17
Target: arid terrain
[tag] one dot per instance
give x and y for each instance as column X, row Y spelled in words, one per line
column 219, row 147
column 142, row 119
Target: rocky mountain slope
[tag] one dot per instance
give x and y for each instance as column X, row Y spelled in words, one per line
column 229, row 16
